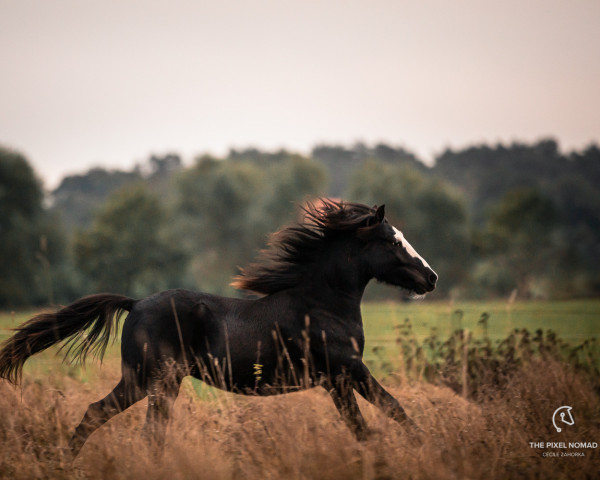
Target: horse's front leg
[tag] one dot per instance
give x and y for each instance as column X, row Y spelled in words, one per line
column 342, row 394
column 373, row 392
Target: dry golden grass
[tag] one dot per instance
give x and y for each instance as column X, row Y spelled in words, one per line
column 301, row 435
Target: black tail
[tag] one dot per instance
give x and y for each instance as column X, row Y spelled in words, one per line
column 99, row 313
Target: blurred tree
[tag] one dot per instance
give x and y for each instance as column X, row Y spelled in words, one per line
column 259, row 157
column 290, row 183
column 578, row 203
column 216, row 213
column 163, row 165
column 128, row 249
column 216, row 199
column 430, row 212
column 159, row 172
column 587, row 163
column 522, row 238
column 341, row 161
column 226, row 209
column 221, row 210
column 21, row 192
column 31, row 241
column 485, row 174
column 78, row 196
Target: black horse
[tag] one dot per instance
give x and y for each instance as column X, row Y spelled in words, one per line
column 305, row 331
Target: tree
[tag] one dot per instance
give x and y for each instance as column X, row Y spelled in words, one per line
column 78, row 196
column 289, row 183
column 226, row 209
column 128, row 248
column 522, row 240
column 486, row 174
column 31, row 244
column 341, row 161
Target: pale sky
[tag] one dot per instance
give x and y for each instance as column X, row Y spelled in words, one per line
column 87, row 82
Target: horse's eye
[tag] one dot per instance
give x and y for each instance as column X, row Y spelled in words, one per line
column 396, row 243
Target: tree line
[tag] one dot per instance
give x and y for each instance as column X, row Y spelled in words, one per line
column 490, row 219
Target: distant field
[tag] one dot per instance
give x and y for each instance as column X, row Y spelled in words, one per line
column 574, row 321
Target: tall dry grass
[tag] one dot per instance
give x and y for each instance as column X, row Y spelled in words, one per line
column 301, row 435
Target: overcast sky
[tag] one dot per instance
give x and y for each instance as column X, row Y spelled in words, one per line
column 88, row 82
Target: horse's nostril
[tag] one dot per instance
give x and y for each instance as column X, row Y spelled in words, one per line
column 433, row 278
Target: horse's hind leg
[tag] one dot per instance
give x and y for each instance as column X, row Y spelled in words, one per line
column 122, row 397
column 161, row 397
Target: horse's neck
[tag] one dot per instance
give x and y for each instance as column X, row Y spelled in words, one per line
column 338, row 292
column 345, row 278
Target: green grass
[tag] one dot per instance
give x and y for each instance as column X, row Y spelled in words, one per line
column 573, row 321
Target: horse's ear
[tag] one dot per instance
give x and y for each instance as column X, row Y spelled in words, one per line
column 380, row 214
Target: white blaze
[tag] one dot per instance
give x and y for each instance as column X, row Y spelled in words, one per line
column 408, row 247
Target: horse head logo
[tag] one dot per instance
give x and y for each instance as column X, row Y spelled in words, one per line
column 565, row 416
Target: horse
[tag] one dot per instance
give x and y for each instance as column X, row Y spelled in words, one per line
column 301, row 329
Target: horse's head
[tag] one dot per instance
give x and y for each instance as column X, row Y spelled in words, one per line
column 391, row 259
column 347, row 243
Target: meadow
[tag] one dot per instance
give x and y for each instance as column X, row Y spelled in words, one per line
column 426, row 353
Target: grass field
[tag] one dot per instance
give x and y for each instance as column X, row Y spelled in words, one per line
column 301, row 435
column 573, row 321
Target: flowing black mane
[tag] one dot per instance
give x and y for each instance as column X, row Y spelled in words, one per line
column 294, row 247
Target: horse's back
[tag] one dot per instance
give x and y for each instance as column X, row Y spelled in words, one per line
column 173, row 324
column 208, row 332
